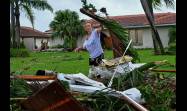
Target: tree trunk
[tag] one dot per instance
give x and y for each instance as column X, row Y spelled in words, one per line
column 151, row 21
column 17, row 14
column 155, row 44
column 13, row 41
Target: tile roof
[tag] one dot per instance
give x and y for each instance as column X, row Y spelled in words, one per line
column 30, row 32
column 141, row 20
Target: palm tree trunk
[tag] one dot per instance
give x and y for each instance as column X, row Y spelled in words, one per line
column 17, row 14
column 13, row 41
column 155, row 45
column 150, row 19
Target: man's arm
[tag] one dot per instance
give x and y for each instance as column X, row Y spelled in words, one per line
column 78, row 49
column 98, row 28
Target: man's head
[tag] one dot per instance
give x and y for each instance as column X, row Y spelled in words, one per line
column 87, row 27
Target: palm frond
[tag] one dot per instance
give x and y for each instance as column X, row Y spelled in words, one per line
column 159, row 3
column 40, row 5
column 169, row 3
column 29, row 13
column 156, row 4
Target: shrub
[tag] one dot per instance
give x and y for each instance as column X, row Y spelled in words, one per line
column 172, row 47
column 22, row 45
column 19, row 52
column 172, row 35
column 57, row 46
column 172, row 40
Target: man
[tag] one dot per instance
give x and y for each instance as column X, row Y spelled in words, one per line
column 92, row 44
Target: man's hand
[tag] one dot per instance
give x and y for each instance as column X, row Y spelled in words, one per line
column 98, row 28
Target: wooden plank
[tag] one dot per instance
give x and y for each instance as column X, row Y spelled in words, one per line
column 34, row 77
column 52, row 98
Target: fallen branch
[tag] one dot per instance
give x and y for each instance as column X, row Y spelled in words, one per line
column 159, row 70
column 134, row 104
column 119, row 35
column 150, row 65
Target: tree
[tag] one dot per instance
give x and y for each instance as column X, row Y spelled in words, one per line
column 66, row 25
column 12, row 25
column 148, row 6
column 26, row 6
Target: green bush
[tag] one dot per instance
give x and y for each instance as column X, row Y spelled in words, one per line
column 172, row 35
column 22, row 45
column 57, row 46
column 19, row 52
column 172, row 40
column 172, row 47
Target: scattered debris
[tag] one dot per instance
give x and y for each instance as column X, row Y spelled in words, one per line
column 120, row 66
column 52, row 98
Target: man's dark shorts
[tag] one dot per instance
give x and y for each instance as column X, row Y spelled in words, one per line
column 96, row 61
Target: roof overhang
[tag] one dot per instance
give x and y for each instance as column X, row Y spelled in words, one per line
column 147, row 26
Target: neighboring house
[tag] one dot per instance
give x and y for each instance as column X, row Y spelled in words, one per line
column 139, row 28
column 32, row 38
column 55, row 41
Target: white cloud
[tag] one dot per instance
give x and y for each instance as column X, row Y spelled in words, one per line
column 114, row 8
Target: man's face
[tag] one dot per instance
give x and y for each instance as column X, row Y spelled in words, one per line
column 88, row 27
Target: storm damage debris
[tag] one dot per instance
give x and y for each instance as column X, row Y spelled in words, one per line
column 53, row 97
column 81, row 84
column 121, row 66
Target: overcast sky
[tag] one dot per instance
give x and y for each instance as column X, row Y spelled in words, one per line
column 114, row 8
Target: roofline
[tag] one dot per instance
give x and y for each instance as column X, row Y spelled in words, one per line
column 146, row 26
column 141, row 14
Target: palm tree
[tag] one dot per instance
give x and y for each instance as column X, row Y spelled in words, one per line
column 25, row 5
column 12, row 26
column 148, row 6
column 66, row 25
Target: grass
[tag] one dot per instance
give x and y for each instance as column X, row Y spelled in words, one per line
column 148, row 56
column 71, row 62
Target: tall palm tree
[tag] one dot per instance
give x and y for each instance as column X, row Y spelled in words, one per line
column 66, row 25
column 148, row 6
column 26, row 6
column 12, row 25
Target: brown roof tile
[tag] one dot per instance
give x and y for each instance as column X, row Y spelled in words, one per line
column 30, row 32
column 141, row 20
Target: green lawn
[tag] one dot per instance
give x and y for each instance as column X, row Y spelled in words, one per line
column 71, row 62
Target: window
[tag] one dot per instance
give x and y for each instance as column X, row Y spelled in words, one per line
column 136, row 36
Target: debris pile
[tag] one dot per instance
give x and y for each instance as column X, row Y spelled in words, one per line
column 128, row 90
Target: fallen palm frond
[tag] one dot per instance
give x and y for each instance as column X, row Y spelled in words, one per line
column 119, row 35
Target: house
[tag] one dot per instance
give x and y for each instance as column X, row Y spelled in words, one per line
column 55, row 41
column 139, row 29
column 137, row 26
column 32, row 38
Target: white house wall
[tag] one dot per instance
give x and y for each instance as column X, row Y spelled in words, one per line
column 38, row 41
column 164, row 31
column 56, row 41
column 29, row 43
column 147, row 37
